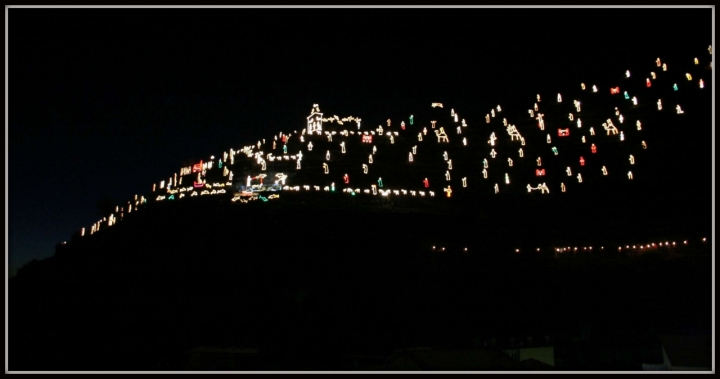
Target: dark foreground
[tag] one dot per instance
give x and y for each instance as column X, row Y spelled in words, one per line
column 284, row 288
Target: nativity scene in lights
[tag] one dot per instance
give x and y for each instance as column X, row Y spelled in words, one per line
column 557, row 146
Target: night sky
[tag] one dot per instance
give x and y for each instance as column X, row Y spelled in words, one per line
column 105, row 102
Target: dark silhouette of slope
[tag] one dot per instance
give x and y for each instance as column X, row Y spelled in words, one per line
column 315, row 274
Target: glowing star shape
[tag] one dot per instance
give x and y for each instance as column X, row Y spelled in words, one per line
column 595, row 88
column 644, row 145
column 582, row 86
column 510, row 162
column 679, row 110
column 365, row 168
column 604, row 170
column 582, row 162
column 484, row 171
column 520, row 152
column 548, row 139
column 493, row 153
column 630, row 175
column 326, row 168
column 579, row 178
column 555, row 150
column 568, row 171
column 507, row 179
column 497, row 189
column 485, row 163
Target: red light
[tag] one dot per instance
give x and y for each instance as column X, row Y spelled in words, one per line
column 647, row 82
column 615, row 90
column 197, row 167
column 582, row 161
column 593, row 148
column 367, row 139
column 540, row 172
column 426, row 182
column 563, row 132
column 346, row 178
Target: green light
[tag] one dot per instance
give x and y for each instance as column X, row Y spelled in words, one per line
column 411, row 119
column 220, row 164
column 627, row 97
column 263, row 198
column 675, row 87
column 172, row 197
